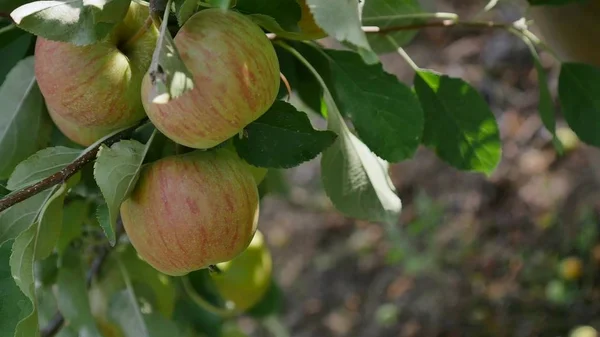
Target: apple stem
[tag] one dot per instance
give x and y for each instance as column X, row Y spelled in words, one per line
column 143, row 29
column 287, row 85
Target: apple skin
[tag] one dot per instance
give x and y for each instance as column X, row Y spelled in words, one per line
column 192, row 210
column 245, row 279
column 309, row 29
column 571, row 30
column 93, row 90
column 236, row 75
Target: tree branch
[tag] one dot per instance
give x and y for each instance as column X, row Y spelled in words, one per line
column 440, row 24
column 58, row 320
column 64, row 174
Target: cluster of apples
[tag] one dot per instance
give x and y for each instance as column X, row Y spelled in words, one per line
column 192, row 210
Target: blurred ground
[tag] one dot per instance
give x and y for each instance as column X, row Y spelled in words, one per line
column 480, row 256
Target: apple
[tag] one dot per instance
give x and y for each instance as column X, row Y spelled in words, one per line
column 236, row 74
column 571, row 30
column 244, row 280
column 93, row 90
column 192, row 210
column 309, row 29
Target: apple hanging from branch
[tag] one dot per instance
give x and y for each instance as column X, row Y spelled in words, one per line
column 93, row 90
column 236, row 75
column 192, row 210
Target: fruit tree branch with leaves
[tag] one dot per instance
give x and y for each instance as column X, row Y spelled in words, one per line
column 214, row 79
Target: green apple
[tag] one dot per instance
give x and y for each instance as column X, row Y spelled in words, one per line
column 236, row 75
column 244, row 280
column 192, row 210
column 571, row 30
column 93, row 90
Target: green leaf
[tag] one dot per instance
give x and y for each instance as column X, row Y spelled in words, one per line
column 282, row 138
column 184, row 9
column 340, row 19
column 72, row 295
column 385, row 112
column 50, row 222
column 459, row 124
column 41, row 165
column 383, row 14
column 125, row 310
column 75, row 213
column 14, row 306
column 116, row 172
column 21, row 265
column 223, row 4
column 578, row 87
column 13, row 47
column 286, row 13
column 142, row 273
column 24, row 123
column 546, row 105
column 169, row 76
column 79, row 22
column 16, row 219
column 356, row 181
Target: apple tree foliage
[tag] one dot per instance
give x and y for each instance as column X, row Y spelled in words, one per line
column 65, row 267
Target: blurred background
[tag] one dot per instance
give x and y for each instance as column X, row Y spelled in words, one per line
column 513, row 254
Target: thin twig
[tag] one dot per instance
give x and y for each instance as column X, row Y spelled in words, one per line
column 439, row 24
column 64, row 174
column 58, row 320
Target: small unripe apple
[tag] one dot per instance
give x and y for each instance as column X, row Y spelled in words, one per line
column 93, row 90
column 192, row 210
column 236, row 75
column 571, row 30
column 308, row 27
column 244, row 280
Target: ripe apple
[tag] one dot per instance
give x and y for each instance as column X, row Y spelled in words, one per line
column 236, row 73
column 309, row 29
column 192, row 210
column 244, row 280
column 571, row 30
column 93, row 90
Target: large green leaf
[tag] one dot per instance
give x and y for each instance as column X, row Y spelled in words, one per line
column 578, row 87
column 79, row 22
column 21, row 265
column 385, row 112
column 72, row 295
column 384, row 14
column 354, row 178
column 459, row 124
column 341, row 20
column 283, row 137
column 116, row 172
column 75, row 213
column 14, row 306
column 16, row 219
column 125, row 310
column 13, row 47
column 24, row 123
column 42, row 164
column 51, row 219
column 286, row 13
